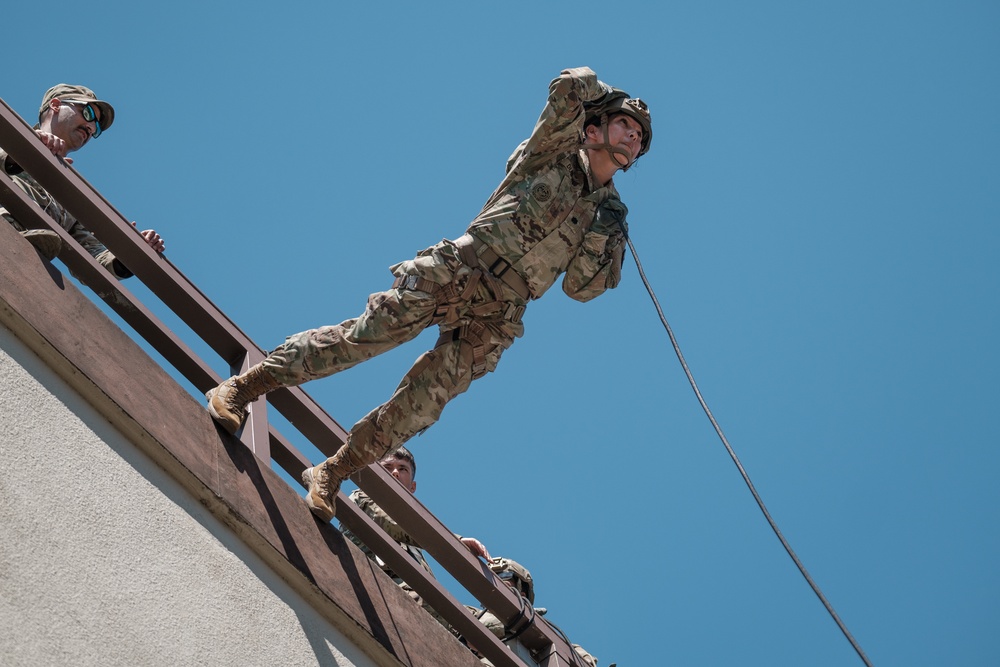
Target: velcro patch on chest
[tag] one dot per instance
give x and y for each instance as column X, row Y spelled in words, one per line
column 541, row 192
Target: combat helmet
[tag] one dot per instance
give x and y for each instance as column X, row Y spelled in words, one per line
column 614, row 102
column 507, row 570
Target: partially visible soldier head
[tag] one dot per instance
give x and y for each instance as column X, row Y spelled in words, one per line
column 516, row 576
column 400, row 464
column 74, row 114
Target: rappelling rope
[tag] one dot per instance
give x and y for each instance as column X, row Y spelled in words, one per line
column 736, row 460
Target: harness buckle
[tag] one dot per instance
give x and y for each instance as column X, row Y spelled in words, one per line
column 503, row 264
column 513, row 313
column 407, row 282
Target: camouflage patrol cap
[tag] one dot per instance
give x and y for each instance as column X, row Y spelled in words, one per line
column 79, row 94
column 618, row 101
column 516, row 571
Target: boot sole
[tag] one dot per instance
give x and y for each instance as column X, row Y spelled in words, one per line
column 47, row 243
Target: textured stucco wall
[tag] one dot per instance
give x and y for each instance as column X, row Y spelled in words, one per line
column 106, row 560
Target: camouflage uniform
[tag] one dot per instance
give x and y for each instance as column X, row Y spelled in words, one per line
column 389, row 525
column 583, row 657
column 534, row 227
column 392, row 529
column 59, row 213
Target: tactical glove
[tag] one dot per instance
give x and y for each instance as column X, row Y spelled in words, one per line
column 610, row 218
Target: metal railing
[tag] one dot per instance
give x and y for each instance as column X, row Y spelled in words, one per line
column 233, row 346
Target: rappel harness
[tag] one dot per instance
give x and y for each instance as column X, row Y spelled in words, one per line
column 489, row 269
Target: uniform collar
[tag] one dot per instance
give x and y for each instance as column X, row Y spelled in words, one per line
column 592, row 187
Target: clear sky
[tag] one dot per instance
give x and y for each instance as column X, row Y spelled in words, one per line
column 818, row 216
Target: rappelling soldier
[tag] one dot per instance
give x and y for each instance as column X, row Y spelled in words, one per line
column 556, row 213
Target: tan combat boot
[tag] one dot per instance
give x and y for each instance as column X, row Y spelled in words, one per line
column 323, row 481
column 46, row 242
column 228, row 402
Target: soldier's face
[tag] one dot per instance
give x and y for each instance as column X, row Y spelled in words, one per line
column 401, row 470
column 68, row 124
column 623, row 132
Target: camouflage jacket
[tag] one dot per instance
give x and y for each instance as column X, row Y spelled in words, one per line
column 386, row 523
column 496, row 626
column 539, row 218
column 58, row 213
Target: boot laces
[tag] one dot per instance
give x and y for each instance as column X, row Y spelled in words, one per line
column 234, row 400
column 322, row 475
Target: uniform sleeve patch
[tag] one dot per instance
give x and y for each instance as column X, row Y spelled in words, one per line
column 541, row 192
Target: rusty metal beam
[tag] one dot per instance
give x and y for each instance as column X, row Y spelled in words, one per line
column 436, row 539
column 155, row 271
column 359, row 523
column 27, row 212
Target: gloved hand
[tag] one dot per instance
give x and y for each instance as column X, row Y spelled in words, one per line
column 610, row 218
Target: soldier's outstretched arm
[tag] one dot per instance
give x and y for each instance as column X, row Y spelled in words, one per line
column 561, row 121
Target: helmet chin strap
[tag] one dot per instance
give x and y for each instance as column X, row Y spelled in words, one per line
column 612, row 150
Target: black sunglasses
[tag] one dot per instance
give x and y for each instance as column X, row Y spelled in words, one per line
column 89, row 115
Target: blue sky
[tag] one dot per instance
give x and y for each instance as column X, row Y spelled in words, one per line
column 818, row 216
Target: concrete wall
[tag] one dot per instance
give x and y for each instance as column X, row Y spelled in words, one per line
column 135, row 532
column 106, row 560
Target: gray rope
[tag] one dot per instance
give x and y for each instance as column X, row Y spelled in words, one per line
column 736, row 460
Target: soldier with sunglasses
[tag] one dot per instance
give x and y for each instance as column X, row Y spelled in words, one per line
column 69, row 117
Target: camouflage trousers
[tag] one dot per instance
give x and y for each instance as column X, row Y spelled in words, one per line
column 472, row 314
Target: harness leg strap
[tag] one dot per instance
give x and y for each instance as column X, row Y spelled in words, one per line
column 472, row 333
column 444, row 295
